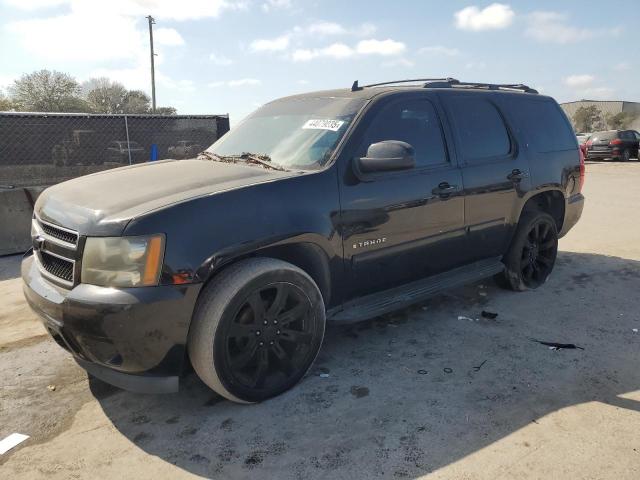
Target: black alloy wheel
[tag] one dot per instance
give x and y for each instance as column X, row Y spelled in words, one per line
column 256, row 330
column 538, row 253
column 270, row 337
column 532, row 253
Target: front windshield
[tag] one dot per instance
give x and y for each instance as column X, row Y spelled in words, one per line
column 293, row 133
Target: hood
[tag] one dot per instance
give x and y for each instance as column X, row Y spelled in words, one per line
column 103, row 203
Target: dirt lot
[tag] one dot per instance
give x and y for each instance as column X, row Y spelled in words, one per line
column 492, row 403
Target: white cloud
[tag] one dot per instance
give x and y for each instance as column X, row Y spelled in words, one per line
column 581, row 81
column 276, row 4
column 34, row 4
column 168, row 37
column 584, row 86
column 220, row 60
column 380, row 47
column 597, row 93
column 400, row 62
column 335, row 50
column 78, row 37
column 439, row 50
column 552, row 27
column 326, row 28
column 475, row 65
column 277, row 44
column 332, row 28
column 242, row 82
column 6, row 81
column 160, row 9
column 493, row 17
column 341, row 51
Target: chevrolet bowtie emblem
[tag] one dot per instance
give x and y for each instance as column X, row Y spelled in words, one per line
column 38, row 242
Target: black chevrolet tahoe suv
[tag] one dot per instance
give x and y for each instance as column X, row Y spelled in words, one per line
column 337, row 205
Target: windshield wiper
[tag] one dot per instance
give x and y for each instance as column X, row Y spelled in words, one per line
column 255, row 158
column 210, row 156
column 260, row 159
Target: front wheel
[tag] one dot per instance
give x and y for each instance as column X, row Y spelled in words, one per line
column 532, row 253
column 256, row 330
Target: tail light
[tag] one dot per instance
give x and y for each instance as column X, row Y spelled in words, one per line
column 582, row 170
column 615, row 141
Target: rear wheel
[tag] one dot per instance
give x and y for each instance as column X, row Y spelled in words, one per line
column 532, row 253
column 257, row 329
column 626, row 155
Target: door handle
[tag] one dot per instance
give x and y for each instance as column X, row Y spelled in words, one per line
column 444, row 189
column 516, row 175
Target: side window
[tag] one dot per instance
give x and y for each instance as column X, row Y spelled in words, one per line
column 480, row 127
column 544, row 125
column 413, row 121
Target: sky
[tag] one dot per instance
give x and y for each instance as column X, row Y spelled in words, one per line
column 231, row 56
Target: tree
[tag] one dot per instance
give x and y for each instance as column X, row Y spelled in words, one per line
column 136, row 101
column 620, row 120
column 6, row 105
column 104, row 96
column 47, row 91
column 166, row 111
column 587, row 119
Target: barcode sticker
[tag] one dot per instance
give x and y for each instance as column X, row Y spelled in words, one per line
column 333, row 125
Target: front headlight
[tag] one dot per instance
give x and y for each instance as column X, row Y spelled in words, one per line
column 122, row 261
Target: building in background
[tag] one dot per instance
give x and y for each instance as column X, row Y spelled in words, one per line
column 607, row 109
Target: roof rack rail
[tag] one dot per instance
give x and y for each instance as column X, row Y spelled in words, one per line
column 449, row 82
column 356, row 87
column 489, row 86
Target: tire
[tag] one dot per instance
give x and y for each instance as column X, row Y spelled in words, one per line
column 626, row 155
column 256, row 330
column 532, row 253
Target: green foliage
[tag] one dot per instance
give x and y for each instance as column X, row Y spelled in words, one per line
column 136, row 101
column 165, row 111
column 104, row 96
column 620, row 121
column 588, row 119
column 47, row 91
column 52, row 91
column 6, row 105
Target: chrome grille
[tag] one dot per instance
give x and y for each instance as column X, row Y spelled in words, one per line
column 56, row 250
column 60, row 234
column 57, row 234
column 57, row 266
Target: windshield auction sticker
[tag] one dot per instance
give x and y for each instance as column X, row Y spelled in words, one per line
column 333, row 125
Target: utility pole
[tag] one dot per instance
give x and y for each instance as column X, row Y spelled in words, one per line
column 153, row 71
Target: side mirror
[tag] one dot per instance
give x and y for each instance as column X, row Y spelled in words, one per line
column 386, row 156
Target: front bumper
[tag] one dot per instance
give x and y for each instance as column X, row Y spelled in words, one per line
column 134, row 338
column 572, row 213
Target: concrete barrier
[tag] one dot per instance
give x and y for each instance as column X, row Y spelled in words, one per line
column 16, row 209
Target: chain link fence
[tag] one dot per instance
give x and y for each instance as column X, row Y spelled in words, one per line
column 39, row 149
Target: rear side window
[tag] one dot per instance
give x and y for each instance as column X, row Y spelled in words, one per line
column 545, row 125
column 480, row 127
column 414, row 121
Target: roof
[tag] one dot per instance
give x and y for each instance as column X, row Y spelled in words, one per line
column 367, row 92
column 106, row 115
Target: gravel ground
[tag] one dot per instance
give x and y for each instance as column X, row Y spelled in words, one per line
column 417, row 393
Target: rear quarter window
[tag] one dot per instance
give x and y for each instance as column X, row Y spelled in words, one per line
column 544, row 124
